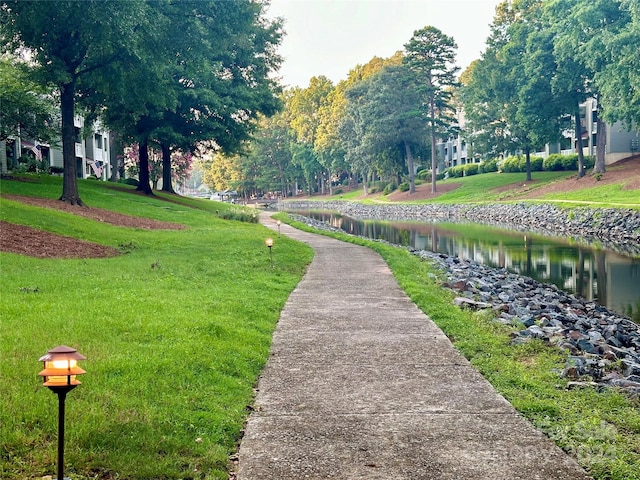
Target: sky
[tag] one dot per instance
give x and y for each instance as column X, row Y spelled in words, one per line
column 330, row 37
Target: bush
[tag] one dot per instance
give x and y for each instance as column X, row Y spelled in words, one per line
column 56, row 170
column 470, row 169
column 129, row 181
column 488, row 166
column 557, row 162
column 424, row 175
column 456, row 172
column 553, row 163
column 519, row 164
column 589, row 162
column 404, row 187
column 338, row 191
column 389, row 188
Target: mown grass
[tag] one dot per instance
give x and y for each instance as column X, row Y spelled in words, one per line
column 600, row 429
column 482, row 189
column 613, row 195
column 175, row 330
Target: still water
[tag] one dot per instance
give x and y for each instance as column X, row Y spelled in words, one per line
column 611, row 279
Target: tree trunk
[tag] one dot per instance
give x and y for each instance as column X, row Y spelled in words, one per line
column 601, row 139
column 144, row 185
column 167, row 178
column 412, row 179
column 70, row 175
column 527, row 152
column 579, row 147
column 434, row 159
column 364, row 184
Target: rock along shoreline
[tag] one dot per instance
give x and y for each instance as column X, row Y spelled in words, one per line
column 603, row 346
column 615, row 229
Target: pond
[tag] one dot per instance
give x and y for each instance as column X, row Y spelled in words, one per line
column 608, row 278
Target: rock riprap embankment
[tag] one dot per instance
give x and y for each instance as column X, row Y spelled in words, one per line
column 603, row 347
column 615, row 229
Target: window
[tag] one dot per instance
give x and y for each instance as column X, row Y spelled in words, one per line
column 98, row 140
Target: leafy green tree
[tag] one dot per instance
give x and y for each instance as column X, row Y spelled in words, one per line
column 619, row 78
column 26, row 108
column 596, row 38
column 212, row 83
column 303, row 107
column 394, row 118
column 431, row 54
column 71, row 43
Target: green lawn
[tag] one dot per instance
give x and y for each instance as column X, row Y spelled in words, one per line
column 482, row 189
column 176, row 330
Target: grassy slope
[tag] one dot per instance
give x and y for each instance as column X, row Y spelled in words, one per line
column 175, row 330
column 497, row 187
column 600, row 429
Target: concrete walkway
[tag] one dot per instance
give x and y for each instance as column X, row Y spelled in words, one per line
column 362, row 385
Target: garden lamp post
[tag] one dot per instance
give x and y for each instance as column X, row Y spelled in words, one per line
column 278, row 223
column 269, row 243
column 60, row 371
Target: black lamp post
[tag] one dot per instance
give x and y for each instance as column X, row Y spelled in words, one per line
column 60, row 371
column 269, row 243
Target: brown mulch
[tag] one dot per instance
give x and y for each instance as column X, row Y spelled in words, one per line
column 32, row 242
column 626, row 172
column 423, row 192
column 41, row 244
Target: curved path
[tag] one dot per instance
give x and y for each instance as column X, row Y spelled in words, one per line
column 361, row 384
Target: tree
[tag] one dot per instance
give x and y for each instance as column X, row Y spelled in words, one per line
column 430, row 54
column 214, row 81
column 303, row 107
column 26, row 108
column 71, row 44
column 394, row 119
column 599, row 37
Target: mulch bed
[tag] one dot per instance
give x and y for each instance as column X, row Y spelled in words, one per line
column 41, row 244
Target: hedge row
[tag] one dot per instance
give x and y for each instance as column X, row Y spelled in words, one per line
column 517, row 164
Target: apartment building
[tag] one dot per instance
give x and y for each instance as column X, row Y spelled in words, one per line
column 93, row 152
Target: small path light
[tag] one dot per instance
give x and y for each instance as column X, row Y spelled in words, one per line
column 60, row 376
column 278, row 223
column 269, row 243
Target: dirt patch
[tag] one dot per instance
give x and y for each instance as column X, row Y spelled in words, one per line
column 626, row 172
column 98, row 214
column 423, row 192
column 41, row 244
column 32, row 242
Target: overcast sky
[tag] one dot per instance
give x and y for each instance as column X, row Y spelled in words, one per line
column 330, row 37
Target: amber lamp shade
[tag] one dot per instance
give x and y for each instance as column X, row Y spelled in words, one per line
column 60, row 367
column 269, row 242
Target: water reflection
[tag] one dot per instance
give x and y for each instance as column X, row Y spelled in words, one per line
column 606, row 277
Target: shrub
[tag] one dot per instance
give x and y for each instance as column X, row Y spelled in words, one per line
column 488, row 166
column 404, row 187
column 129, row 181
column 519, row 164
column 56, row 170
column 470, row 169
column 424, row 174
column 589, row 161
column 513, row 165
column 456, row 172
column 338, row 191
column 389, row 188
column 441, row 176
column 536, row 164
column 553, row 163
